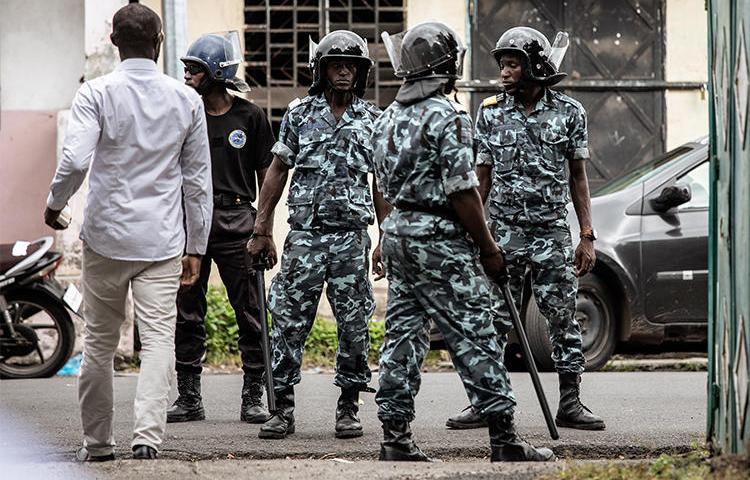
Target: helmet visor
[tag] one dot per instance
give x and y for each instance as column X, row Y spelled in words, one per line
column 559, row 48
column 392, row 44
column 413, row 61
column 311, row 52
column 232, row 48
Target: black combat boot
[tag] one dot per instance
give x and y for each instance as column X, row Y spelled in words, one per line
column 347, row 422
column 397, row 444
column 466, row 420
column 281, row 422
column 572, row 413
column 507, row 446
column 189, row 405
column 252, row 410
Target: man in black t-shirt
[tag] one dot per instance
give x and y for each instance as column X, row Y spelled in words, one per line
column 241, row 139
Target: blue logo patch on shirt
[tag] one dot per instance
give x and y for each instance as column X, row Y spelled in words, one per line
column 237, row 138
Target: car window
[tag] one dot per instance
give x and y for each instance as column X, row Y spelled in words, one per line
column 697, row 179
column 643, row 172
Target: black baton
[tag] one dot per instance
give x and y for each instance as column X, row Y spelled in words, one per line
column 530, row 365
column 260, row 266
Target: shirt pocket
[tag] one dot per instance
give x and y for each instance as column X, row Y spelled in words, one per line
column 360, row 196
column 554, row 144
column 311, row 142
column 503, row 144
column 359, row 154
column 305, row 181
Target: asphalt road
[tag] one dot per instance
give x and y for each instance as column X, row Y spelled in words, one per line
column 647, row 413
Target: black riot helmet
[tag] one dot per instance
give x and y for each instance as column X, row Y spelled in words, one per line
column 339, row 44
column 427, row 50
column 541, row 60
column 220, row 56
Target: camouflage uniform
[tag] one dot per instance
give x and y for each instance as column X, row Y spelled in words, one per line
column 330, row 207
column 423, row 154
column 527, row 206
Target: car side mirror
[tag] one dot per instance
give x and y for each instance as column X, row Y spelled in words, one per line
column 671, row 197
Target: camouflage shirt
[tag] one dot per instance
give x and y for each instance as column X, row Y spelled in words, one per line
column 529, row 155
column 422, row 155
column 331, row 160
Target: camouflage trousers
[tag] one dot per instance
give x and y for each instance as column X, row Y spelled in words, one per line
column 439, row 280
column 310, row 259
column 547, row 250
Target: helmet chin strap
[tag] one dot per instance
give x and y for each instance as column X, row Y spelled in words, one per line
column 205, row 85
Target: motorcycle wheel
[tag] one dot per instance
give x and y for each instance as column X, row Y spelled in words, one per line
column 54, row 327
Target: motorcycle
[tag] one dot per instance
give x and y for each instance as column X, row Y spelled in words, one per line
column 37, row 334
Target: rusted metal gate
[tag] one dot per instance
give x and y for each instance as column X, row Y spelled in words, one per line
column 615, row 66
column 277, row 37
column 729, row 239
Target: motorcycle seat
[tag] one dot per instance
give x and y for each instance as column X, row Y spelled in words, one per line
column 8, row 260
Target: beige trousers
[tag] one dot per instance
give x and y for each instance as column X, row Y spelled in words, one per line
column 105, row 288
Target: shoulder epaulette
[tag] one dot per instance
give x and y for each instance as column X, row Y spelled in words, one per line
column 566, row 99
column 457, row 106
column 489, row 101
column 294, row 103
column 372, row 108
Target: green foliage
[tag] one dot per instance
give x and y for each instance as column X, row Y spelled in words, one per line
column 691, row 466
column 320, row 348
column 221, row 328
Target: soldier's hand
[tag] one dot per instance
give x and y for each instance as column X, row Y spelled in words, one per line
column 191, row 270
column 494, row 264
column 378, row 268
column 262, row 245
column 585, row 257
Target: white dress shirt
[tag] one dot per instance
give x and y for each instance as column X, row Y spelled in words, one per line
column 144, row 136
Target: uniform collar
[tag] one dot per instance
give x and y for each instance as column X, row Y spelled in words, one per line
column 547, row 101
column 354, row 110
column 137, row 64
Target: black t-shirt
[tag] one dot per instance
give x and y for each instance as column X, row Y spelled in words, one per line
column 241, row 142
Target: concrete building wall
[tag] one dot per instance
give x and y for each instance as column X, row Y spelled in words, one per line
column 686, row 61
column 453, row 13
column 40, row 69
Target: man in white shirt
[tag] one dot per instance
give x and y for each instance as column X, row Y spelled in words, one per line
column 144, row 136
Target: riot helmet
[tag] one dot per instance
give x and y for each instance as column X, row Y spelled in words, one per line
column 427, row 50
column 339, row 45
column 220, row 56
column 541, row 60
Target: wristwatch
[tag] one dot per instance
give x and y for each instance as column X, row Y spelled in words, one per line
column 589, row 234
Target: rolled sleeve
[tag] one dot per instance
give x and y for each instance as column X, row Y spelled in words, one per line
column 284, row 153
column 578, row 145
column 456, row 156
column 462, row 182
column 481, row 140
column 197, row 190
column 287, row 147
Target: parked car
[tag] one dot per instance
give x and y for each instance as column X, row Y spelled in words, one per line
column 650, row 281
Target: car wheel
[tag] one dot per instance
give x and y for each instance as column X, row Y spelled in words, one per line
column 594, row 314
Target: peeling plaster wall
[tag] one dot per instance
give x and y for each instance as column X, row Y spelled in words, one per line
column 451, row 12
column 41, row 63
column 686, row 61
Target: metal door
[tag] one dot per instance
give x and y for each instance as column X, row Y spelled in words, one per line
column 729, row 297
column 674, row 246
column 615, row 66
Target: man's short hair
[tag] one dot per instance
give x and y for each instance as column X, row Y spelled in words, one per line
column 136, row 26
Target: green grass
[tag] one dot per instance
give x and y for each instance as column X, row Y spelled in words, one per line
column 695, row 465
column 320, row 347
